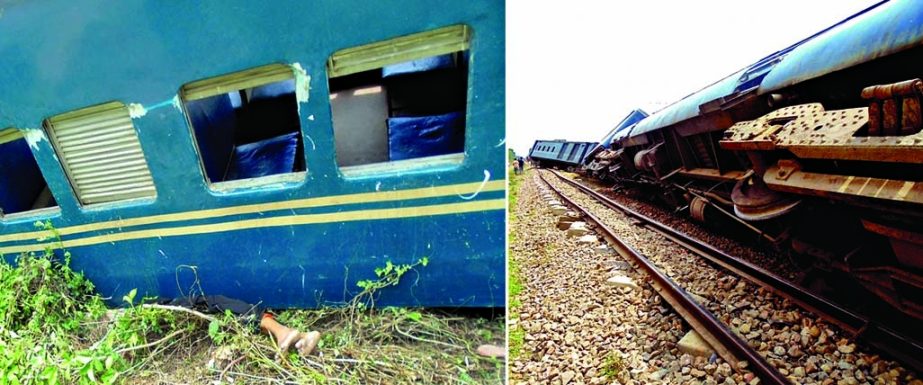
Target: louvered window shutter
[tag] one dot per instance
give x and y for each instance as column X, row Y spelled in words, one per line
column 405, row 48
column 101, row 154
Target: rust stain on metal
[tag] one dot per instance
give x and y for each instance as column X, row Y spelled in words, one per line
column 831, row 186
column 889, row 130
column 894, row 109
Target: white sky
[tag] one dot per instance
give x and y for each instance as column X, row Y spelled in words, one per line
column 576, row 68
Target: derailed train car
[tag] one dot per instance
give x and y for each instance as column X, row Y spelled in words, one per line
column 600, row 163
column 273, row 153
column 559, row 153
column 817, row 148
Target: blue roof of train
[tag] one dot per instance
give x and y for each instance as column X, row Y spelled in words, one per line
column 633, row 117
column 878, row 31
column 885, row 28
column 687, row 107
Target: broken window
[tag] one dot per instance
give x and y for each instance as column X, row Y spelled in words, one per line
column 22, row 186
column 246, row 124
column 401, row 99
column 101, row 154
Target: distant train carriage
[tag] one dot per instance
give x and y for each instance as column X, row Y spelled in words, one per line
column 273, row 153
column 559, row 153
column 817, row 148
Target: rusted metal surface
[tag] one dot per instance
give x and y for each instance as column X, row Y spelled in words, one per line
column 707, row 197
column 697, row 208
column 889, row 283
column 907, row 245
column 903, row 348
column 808, row 131
column 646, row 159
column 609, row 154
column 785, row 177
column 881, row 281
column 712, row 174
column 883, row 29
column 731, row 347
column 894, row 109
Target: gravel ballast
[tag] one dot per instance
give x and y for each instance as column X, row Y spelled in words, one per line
column 581, row 330
column 806, row 350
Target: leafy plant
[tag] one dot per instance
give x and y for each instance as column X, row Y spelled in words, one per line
column 50, row 331
column 613, row 367
column 55, row 329
column 388, row 275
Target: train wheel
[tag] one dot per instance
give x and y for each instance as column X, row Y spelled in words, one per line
column 754, row 201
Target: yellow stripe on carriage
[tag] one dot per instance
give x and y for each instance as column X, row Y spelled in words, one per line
column 287, row 220
column 382, row 196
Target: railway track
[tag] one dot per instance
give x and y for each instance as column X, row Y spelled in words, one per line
column 780, row 342
column 574, row 330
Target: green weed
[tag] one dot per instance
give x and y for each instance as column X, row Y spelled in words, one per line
column 613, row 367
column 55, row 329
column 50, row 333
column 516, row 333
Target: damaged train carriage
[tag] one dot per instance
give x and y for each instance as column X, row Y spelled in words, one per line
column 816, row 148
column 276, row 154
column 559, row 153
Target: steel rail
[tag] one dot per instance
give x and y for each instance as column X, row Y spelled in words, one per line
column 882, row 338
column 728, row 345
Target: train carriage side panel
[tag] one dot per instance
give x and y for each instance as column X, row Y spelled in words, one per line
column 303, row 239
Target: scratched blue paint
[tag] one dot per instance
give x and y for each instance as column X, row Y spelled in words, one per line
column 64, row 55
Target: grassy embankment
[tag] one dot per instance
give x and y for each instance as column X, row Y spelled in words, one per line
column 516, row 334
column 55, row 329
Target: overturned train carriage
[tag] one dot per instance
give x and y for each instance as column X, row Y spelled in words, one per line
column 602, row 161
column 816, row 148
column 559, row 154
column 276, row 154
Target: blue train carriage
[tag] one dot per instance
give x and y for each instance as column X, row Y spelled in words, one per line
column 602, row 162
column 276, row 154
column 559, row 154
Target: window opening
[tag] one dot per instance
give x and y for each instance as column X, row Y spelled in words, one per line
column 573, row 152
column 246, row 124
column 22, row 186
column 401, row 99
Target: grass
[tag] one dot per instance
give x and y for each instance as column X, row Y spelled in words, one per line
column 516, row 333
column 55, row 329
column 613, row 367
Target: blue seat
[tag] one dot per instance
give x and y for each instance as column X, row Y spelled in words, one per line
column 419, row 136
